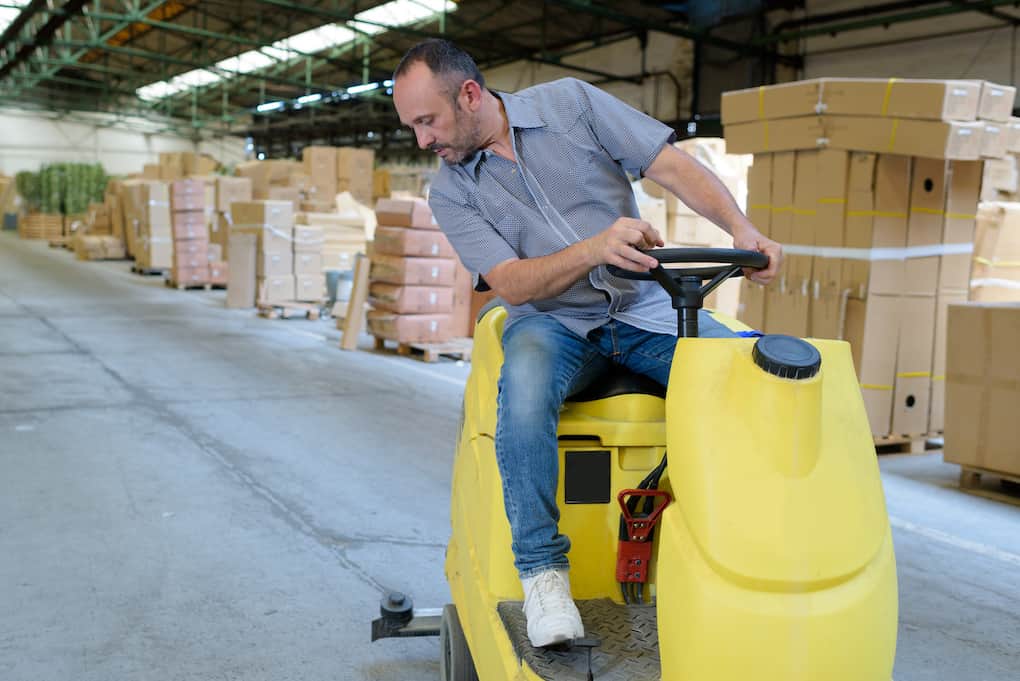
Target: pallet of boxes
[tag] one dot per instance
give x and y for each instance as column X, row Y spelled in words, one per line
column 262, row 256
column 95, row 239
column 419, row 291
column 190, row 235
column 872, row 187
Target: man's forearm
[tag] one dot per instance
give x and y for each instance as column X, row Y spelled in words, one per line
column 520, row 281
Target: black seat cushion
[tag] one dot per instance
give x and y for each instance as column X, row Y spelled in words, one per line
column 619, row 381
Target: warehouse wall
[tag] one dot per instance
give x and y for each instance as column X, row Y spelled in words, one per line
column 30, row 139
column 658, row 95
column 969, row 45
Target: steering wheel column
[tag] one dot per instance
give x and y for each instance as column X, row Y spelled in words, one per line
column 684, row 285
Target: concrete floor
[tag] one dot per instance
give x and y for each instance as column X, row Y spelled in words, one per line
column 190, row 492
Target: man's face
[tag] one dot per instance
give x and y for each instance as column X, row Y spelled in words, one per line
column 452, row 131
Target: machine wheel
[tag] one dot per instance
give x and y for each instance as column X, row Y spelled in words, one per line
column 455, row 663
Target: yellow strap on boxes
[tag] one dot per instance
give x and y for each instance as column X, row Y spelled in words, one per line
column 996, row 263
column 892, row 135
column 875, row 214
column 873, row 386
column 885, row 100
column 913, row 374
column 761, row 206
column 761, row 102
column 961, row 216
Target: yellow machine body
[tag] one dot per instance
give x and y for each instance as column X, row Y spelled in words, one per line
column 774, row 562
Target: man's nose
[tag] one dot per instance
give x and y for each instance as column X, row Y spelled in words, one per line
column 424, row 139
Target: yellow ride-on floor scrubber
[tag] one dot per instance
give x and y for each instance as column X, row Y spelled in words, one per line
column 762, row 552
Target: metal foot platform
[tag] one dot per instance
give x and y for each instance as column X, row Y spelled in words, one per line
column 629, row 649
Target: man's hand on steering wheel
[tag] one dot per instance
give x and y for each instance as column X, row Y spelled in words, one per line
column 622, row 245
column 750, row 239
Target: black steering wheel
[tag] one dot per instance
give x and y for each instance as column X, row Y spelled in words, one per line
column 684, row 284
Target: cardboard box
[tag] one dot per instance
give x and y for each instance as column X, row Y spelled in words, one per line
column 292, row 194
column 355, row 164
column 932, row 139
column 192, row 248
column 928, row 191
column 759, row 193
column 274, row 264
column 410, row 328
column 275, row 289
column 308, row 239
column 187, row 195
column 996, row 273
column 307, row 263
column 154, row 252
column 994, row 140
column 913, row 365
column 405, row 213
column 190, row 225
column 214, row 252
column 199, row 274
column 241, row 287
column 257, row 214
column 412, row 242
column 996, row 102
column 784, row 134
column 872, row 329
column 899, row 98
column 411, row 299
column 413, row 271
column 751, row 308
column 936, row 419
column 883, row 227
column 219, row 273
column 310, row 287
column 1012, row 135
column 463, row 285
column 232, row 190
column 258, row 172
column 150, row 171
column 156, row 209
column 959, row 224
column 983, row 387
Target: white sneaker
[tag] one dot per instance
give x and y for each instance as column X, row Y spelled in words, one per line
column 552, row 616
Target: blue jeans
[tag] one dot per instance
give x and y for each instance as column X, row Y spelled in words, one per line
column 544, row 363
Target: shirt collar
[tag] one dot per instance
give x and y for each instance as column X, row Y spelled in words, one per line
column 520, row 113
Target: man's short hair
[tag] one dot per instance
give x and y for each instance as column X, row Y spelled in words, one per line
column 447, row 62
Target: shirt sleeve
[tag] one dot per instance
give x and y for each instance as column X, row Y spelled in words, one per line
column 631, row 137
column 476, row 241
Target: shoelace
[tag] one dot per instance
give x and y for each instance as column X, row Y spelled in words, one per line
column 551, row 591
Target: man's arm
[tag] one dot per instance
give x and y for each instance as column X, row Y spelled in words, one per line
column 700, row 189
column 518, row 281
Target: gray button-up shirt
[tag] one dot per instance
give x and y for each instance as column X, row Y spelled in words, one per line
column 573, row 143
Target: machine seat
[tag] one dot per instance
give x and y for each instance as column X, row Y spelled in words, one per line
column 619, row 381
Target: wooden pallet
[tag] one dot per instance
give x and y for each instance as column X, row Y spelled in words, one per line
column 41, row 226
column 288, row 309
column 970, row 482
column 188, row 285
column 149, row 271
column 456, row 348
column 906, row 444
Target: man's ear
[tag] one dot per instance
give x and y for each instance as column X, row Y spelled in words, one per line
column 471, row 95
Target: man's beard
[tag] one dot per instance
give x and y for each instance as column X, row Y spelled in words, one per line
column 467, row 139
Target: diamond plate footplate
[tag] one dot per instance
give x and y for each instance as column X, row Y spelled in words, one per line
column 629, row 650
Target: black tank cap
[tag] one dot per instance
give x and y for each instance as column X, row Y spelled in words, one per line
column 786, row 356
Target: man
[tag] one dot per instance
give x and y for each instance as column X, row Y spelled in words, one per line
column 534, row 197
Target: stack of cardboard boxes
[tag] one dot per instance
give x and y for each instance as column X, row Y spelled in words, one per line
column 261, row 253
column 309, row 280
column 332, row 170
column 191, row 233
column 149, row 225
column 872, row 187
column 228, row 190
column 419, row 290
column 95, row 240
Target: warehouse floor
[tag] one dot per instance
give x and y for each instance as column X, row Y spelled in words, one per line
column 190, row 492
